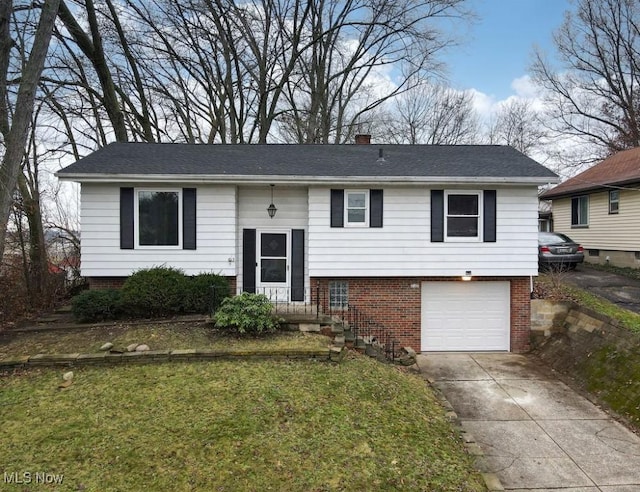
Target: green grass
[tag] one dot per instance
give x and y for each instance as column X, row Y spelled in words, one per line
column 614, row 376
column 563, row 291
column 233, row 426
column 157, row 336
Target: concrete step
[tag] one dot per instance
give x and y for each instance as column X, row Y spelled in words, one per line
column 309, row 327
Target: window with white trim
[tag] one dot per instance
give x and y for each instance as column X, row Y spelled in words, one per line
column 338, row 294
column 158, row 218
column 614, row 201
column 580, row 211
column 356, row 208
column 462, row 215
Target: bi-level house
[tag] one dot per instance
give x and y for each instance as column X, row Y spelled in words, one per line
column 438, row 243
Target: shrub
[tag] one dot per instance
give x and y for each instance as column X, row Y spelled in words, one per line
column 153, row 292
column 246, row 314
column 96, row 305
column 199, row 294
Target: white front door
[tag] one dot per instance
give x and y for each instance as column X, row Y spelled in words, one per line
column 272, row 275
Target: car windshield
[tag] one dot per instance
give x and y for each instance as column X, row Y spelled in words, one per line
column 553, row 238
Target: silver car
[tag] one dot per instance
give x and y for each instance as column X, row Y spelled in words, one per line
column 558, row 251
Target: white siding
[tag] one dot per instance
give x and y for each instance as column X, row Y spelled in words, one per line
column 292, row 205
column 403, row 247
column 615, row 232
column 100, row 222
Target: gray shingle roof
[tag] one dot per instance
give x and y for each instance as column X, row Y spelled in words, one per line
column 482, row 161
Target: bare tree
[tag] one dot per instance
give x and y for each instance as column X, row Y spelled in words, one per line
column 430, row 114
column 517, row 124
column 91, row 45
column 15, row 119
column 593, row 94
column 339, row 82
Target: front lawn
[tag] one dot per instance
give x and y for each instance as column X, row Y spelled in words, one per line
column 232, row 426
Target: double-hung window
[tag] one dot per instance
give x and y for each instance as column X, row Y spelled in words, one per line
column 614, row 201
column 462, row 214
column 357, row 208
column 580, row 211
column 158, row 218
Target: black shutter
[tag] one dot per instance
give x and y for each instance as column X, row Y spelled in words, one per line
column 437, row 216
column 337, row 208
column 297, row 265
column 249, row 260
column 574, row 211
column 126, row 218
column 489, row 216
column 188, row 218
column 375, row 212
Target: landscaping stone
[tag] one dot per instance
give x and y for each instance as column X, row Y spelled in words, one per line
column 68, row 376
column 336, row 353
column 309, row 327
column 132, row 347
column 156, row 354
column 106, row 346
column 142, row 348
column 113, row 357
column 15, row 362
column 133, row 357
column 53, row 359
column 91, row 358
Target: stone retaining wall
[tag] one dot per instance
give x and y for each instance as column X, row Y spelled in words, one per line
column 334, row 354
column 596, row 353
column 576, row 322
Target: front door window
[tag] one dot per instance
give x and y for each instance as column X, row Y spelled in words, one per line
column 273, row 258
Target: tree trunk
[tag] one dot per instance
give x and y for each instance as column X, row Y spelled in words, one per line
column 16, row 139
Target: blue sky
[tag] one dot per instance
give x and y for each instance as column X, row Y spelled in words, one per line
column 498, row 46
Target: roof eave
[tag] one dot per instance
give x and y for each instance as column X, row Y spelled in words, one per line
column 301, row 180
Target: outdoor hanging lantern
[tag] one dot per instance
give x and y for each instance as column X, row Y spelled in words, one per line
column 271, row 210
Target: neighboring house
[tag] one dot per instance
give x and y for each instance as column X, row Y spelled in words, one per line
column 391, row 229
column 545, row 217
column 600, row 209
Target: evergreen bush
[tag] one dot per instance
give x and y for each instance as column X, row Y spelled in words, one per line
column 96, row 305
column 204, row 293
column 246, row 314
column 153, row 292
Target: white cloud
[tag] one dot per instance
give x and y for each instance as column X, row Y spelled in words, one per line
column 484, row 104
column 525, row 88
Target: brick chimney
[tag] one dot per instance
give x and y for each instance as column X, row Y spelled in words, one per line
column 363, row 139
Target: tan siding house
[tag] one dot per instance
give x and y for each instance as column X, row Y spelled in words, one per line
column 600, row 209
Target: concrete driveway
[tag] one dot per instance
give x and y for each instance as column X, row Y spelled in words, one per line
column 533, row 431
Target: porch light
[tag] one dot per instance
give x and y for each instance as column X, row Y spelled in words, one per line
column 271, row 210
column 467, row 276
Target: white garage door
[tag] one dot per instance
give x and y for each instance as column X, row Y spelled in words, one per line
column 465, row 316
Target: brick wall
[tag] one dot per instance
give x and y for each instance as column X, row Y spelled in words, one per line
column 520, row 315
column 106, row 282
column 396, row 304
